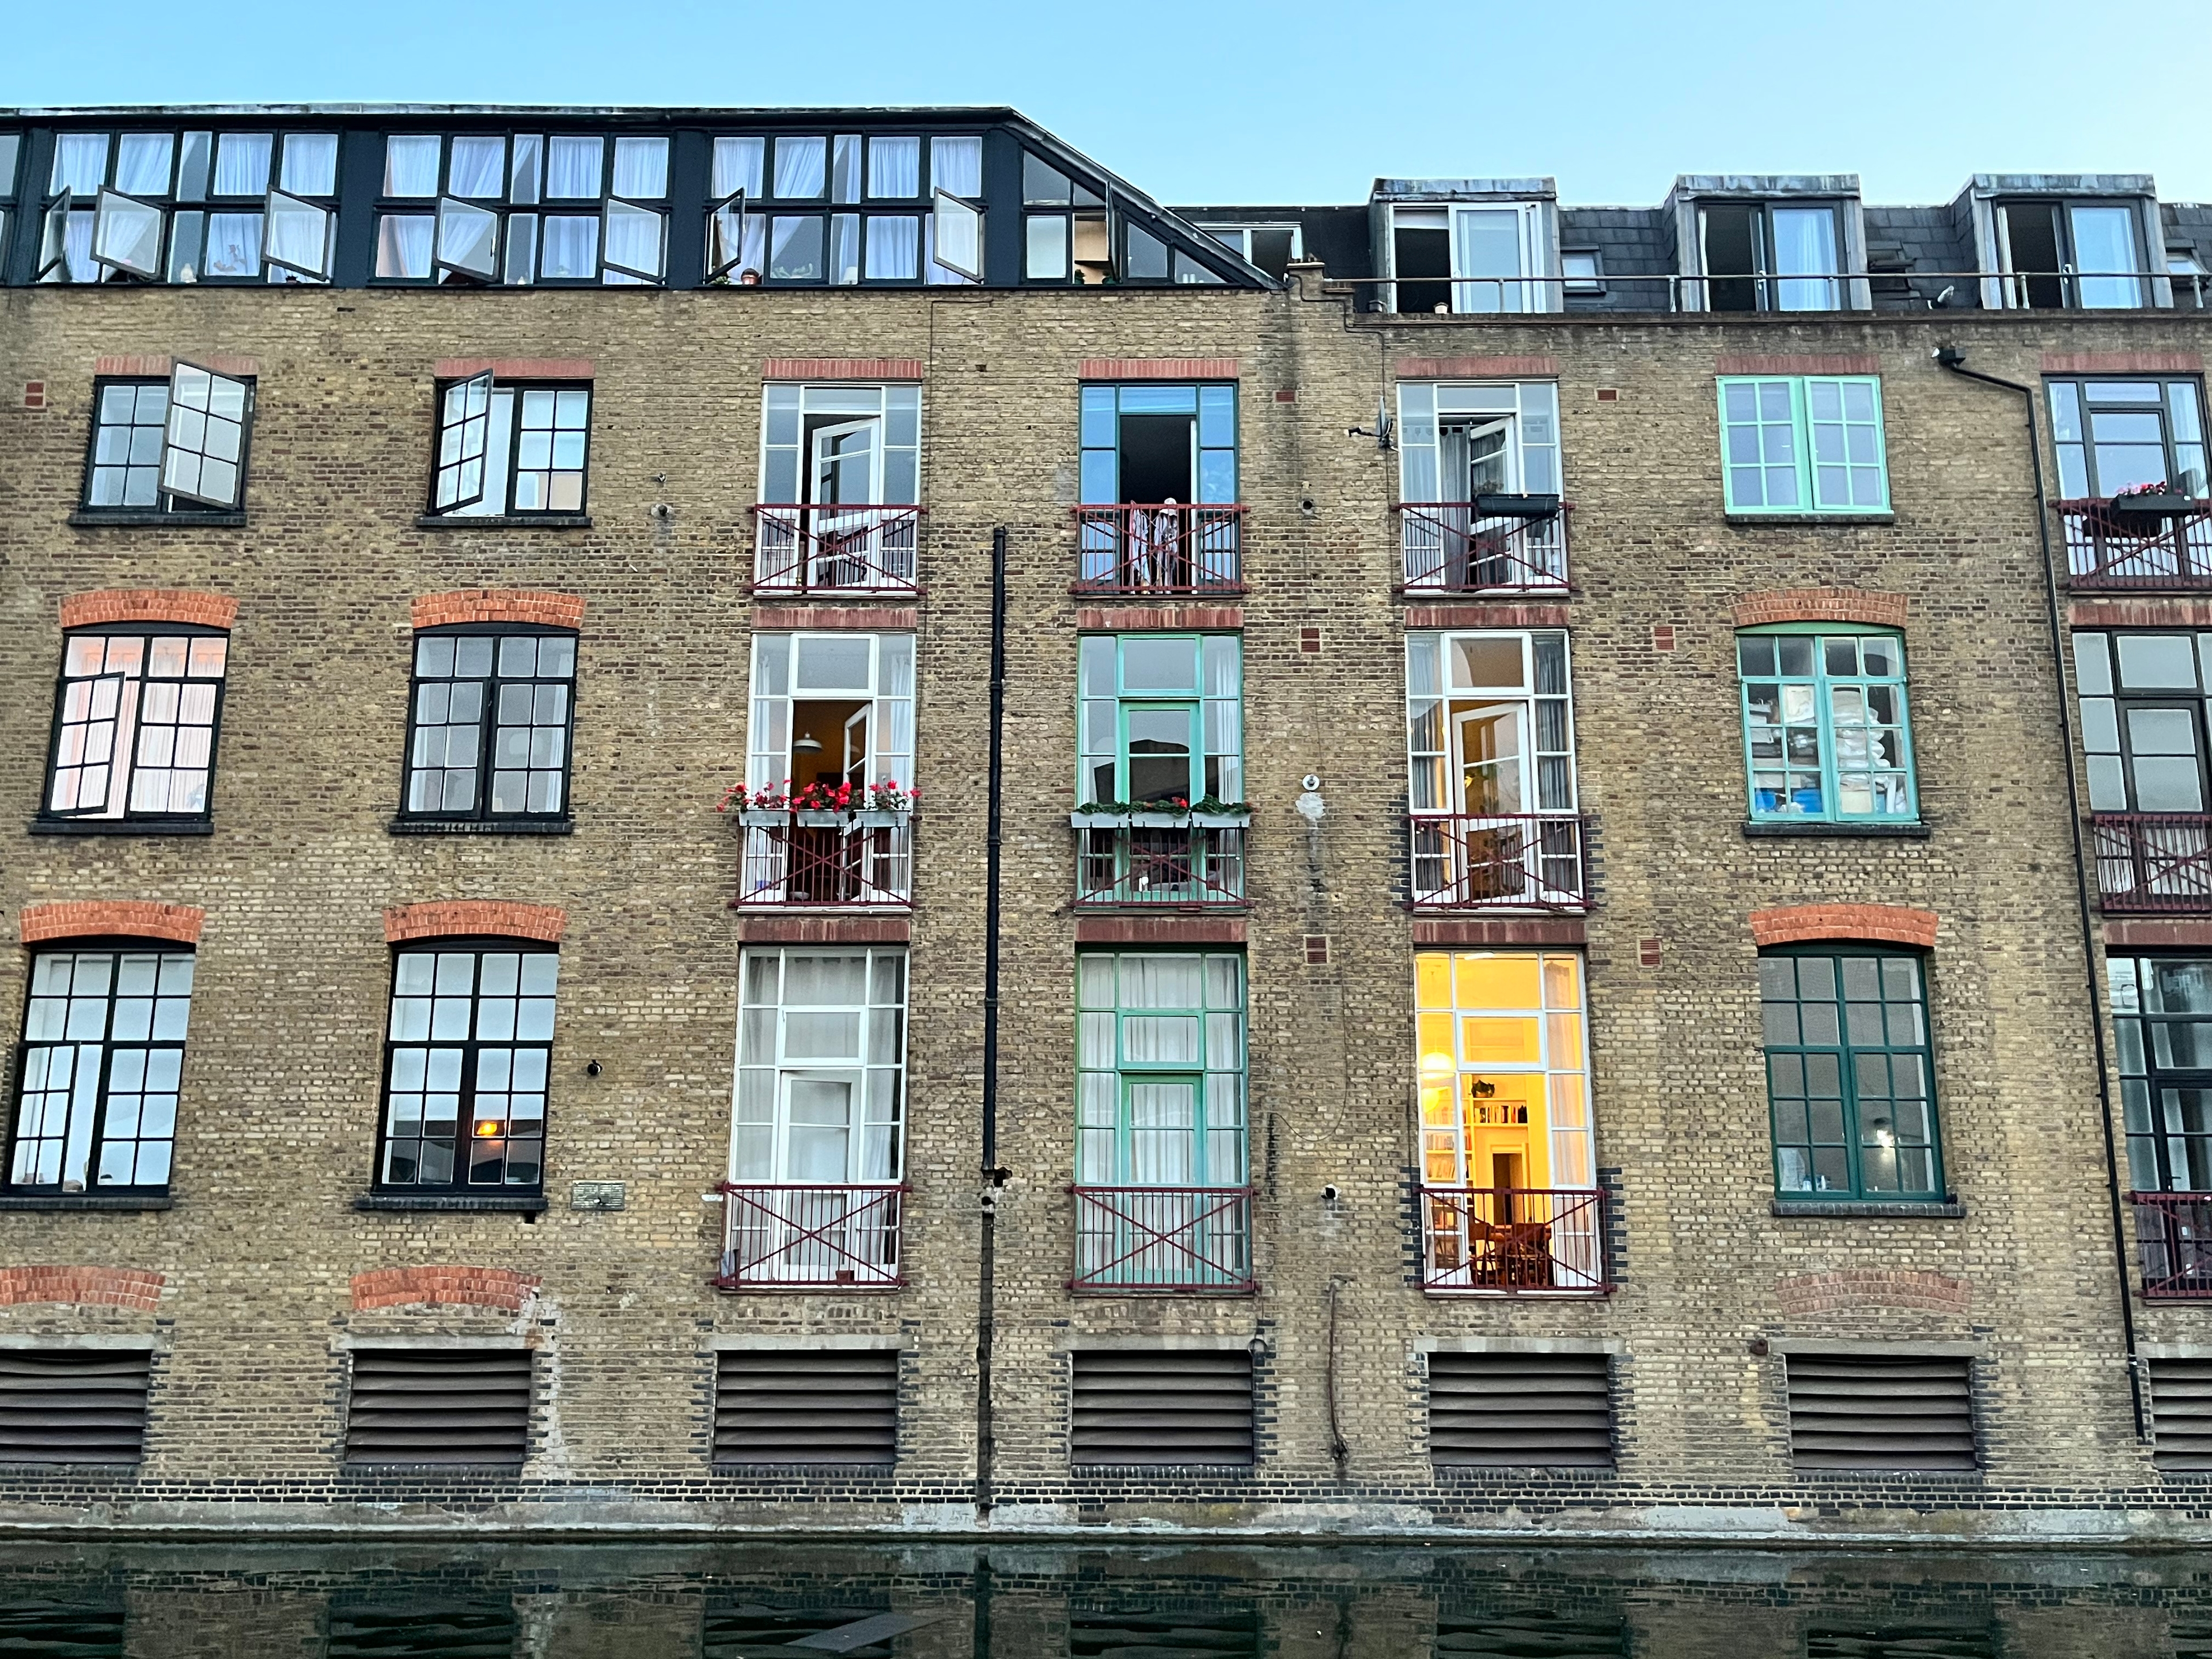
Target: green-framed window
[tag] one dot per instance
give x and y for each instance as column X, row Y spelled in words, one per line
column 1826, row 733
column 1803, row 444
column 1160, row 1059
column 1849, row 1077
column 1162, row 719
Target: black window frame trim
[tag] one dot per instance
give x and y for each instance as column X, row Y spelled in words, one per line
column 482, row 820
column 508, row 517
column 45, row 821
column 195, row 514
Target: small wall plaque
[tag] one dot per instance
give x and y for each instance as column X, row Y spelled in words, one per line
column 595, row 1195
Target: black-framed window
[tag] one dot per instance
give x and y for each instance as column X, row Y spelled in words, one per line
column 2058, row 253
column 100, row 1067
column 169, row 206
column 2118, row 433
column 1849, row 1074
column 846, row 209
column 11, row 149
column 175, row 445
column 511, row 450
column 490, row 713
column 522, row 208
column 2162, row 1022
column 134, row 722
column 2144, row 725
column 465, row 1060
column 1770, row 256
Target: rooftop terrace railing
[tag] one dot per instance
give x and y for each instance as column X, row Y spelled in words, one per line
column 1781, row 294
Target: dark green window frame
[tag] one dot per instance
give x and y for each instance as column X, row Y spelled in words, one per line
column 1850, row 1075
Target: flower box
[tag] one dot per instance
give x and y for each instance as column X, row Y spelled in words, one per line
column 2153, row 504
column 1515, row 506
column 1184, row 820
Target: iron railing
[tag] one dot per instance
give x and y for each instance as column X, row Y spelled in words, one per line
column 816, row 549
column 2111, row 545
column 2173, row 1230
column 1452, row 547
column 788, row 1237
column 1812, row 292
column 1183, row 865
column 1517, row 861
column 1129, row 548
column 2152, row 862
column 807, row 858
column 1163, row 1238
column 1513, row 1239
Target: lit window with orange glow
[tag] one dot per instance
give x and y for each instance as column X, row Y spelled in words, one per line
column 1504, row 1070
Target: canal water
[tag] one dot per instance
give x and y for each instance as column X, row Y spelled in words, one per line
column 467, row 1601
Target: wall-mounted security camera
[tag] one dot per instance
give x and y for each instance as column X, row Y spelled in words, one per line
column 1311, row 780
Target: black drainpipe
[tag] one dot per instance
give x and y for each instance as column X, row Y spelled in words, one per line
column 994, row 1176
column 1951, row 358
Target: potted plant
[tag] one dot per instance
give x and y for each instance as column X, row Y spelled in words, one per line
column 2149, row 501
column 821, row 805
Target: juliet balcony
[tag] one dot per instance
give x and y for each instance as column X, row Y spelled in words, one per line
column 797, row 857
column 2145, row 541
column 2153, row 863
column 1164, row 1240
column 795, row 1237
column 1498, row 861
column 1492, row 544
column 1175, row 860
column 834, row 549
column 1193, row 551
column 1503, row 1241
column 2173, row 1233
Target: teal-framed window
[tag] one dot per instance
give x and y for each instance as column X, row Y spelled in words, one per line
column 1160, row 1059
column 1827, row 735
column 1850, row 1075
column 1161, row 720
column 1152, row 444
column 1803, row 444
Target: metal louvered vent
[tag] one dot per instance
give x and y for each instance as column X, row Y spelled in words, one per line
column 2181, row 1413
column 1220, row 1633
column 1926, row 1641
column 1160, row 1406
column 1881, row 1411
column 54, row 1630
column 423, row 1630
column 1504, row 1410
column 822, row 1405
column 439, row 1406
column 1537, row 1631
column 73, row 1405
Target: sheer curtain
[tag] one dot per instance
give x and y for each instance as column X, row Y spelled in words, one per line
column 956, row 165
column 738, row 167
column 895, row 166
column 80, row 162
column 479, row 169
column 800, row 166
column 241, row 164
column 641, row 168
column 410, row 165
column 1486, row 242
column 1804, row 246
column 571, row 166
column 142, row 165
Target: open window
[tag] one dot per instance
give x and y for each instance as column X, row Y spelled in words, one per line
column 2057, row 254
column 831, row 709
column 162, row 446
column 523, row 208
column 839, row 472
column 511, row 451
column 1473, row 258
column 1770, row 256
column 135, row 723
column 1479, row 480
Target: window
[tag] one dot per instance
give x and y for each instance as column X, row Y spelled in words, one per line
column 174, row 445
column 1770, row 256
column 464, row 1067
column 523, row 208
column 1503, row 1070
column 1272, row 248
column 135, row 724
column 1163, row 720
column 1849, row 1075
column 1469, row 257
column 1159, row 444
column 831, row 708
column 902, row 204
column 1065, row 233
column 2182, row 264
column 2056, row 255
column 821, row 1068
column 190, row 206
column 1584, row 270
column 1803, row 444
column 2115, row 435
column 1161, row 1069
column 1825, row 731
column 103, row 1054
column 850, row 445
column 11, row 146
column 1459, row 443
column 2162, row 1017
column 510, row 451
column 495, row 705
column 2142, row 725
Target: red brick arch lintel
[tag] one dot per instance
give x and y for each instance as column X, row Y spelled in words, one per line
column 462, row 918
column 1890, row 924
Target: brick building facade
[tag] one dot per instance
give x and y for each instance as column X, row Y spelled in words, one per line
column 1528, row 1129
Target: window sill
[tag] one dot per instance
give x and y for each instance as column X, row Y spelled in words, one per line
column 1949, row 1209
column 103, row 518
column 113, row 1201
column 481, row 827
column 493, row 521
column 121, row 827
column 1755, row 828
column 1748, row 519
column 481, row 1203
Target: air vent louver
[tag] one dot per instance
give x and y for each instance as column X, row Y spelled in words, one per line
column 73, row 1405
column 1163, row 1406
column 1881, row 1411
column 826, row 1406
column 1508, row 1410
column 439, row 1406
column 2181, row 1414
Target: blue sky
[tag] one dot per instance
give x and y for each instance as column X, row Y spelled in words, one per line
column 1221, row 101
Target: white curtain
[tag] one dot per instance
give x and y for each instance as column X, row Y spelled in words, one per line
column 894, row 249
column 479, row 169
column 895, row 168
column 571, row 247
column 241, row 164
column 800, row 166
column 142, row 165
column 633, row 240
column 80, row 162
column 410, row 165
column 956, row 165
column 298, row 235
column 1804, row 246
column 572, row 167
column 311, row 163
column 738, row 167
column 402, row 245
column 642, row 168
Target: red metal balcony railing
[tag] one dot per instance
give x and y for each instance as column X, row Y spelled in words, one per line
column 1183, row 865
column 783, row 1237
column 1132, row 549
column 2118, row 544
column 820, row 858
column 1453, row 547
column 2173, row 1231
column 814, row 548
column 1520, row 862
column 1513, row 1239
column 2152, row 862
column 1173, row 1239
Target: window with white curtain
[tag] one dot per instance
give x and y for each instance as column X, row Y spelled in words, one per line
column 905, row 210
column 1160, row 1069
column 821, row 1068
column 839, row 703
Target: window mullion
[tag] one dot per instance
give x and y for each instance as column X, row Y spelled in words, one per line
column 1801, row 423
column 1824, row 723
column 464, row 1123
column 487, row 737
column 98, row 1135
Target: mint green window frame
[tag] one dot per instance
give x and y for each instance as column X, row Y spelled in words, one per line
column 1152, row 1017
column 1828, row 727
column 1850, row 1078
column 1121, row 672
column 1803, row 444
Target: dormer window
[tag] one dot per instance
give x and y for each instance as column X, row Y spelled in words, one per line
column 1770, row 256
column 1469, row 257
column 2058, row 254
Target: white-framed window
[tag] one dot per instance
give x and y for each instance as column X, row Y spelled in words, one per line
column 821, row 1068
column 1270, row 247
column 853, row 446
column 1458, row 442
column 1505, row 1060
column 831, row 708
column 1490, row 723
column 1770, row 256
column 1471, row 257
